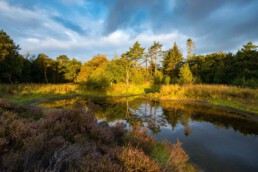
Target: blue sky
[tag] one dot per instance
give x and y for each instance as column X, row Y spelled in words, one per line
column 84, row 28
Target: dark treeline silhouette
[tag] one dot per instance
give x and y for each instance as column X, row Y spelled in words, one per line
column 15, row 68
column 134, row 66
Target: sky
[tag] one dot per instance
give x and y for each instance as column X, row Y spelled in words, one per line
column 84, row 28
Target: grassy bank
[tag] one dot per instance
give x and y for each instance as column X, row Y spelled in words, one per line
column 32, row 139
column 244, row 99
column 27, row 93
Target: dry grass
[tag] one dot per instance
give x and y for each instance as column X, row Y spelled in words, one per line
column 32, row 89
column 119, row 89
column 62, row 89
column 245, row 99
column 202, row 91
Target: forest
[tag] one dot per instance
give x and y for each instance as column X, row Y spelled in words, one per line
column 138, row 65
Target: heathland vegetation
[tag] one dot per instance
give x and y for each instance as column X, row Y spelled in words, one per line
column 73, row 140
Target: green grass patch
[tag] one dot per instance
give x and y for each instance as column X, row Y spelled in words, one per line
column 160, row 154
column 242, row 106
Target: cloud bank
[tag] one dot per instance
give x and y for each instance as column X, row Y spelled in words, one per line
column 85, row 28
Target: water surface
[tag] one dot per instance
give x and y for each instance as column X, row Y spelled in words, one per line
column 214, row 138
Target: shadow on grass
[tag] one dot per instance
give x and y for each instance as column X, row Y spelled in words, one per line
column 152, row 89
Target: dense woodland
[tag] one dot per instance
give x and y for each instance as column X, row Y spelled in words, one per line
column 137, row 65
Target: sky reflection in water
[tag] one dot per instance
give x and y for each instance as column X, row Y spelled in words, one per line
column 216, row 140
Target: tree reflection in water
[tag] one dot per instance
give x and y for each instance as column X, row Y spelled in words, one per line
column 155, row 115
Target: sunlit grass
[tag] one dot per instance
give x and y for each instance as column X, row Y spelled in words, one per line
column 32, row 89
column 245, row 99
column 207, row 92
column 27, row 93
column 123, row 89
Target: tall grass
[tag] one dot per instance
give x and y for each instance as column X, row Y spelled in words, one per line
column 131, row 89
column 32, row 89
column 205, row 92
column 45, row 89
column 244, row 99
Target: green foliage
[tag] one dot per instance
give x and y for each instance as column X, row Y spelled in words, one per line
column 185, row 74
column 135, row 53
column 10, row 61
column 158, row 77
column 172, row 62
column 131, row 59
column 92, row 68
column 166, row 80
column 116, row 70
column 134, row 66
column 154, row 53
column 67, row 69
column 62, row 61
column 137, row 76
column 73, row 68
column 44, row 69
column 240, row 69
column 249, row 47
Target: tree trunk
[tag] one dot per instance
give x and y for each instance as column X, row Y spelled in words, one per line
column 155, row 66
column 146, row 67
column 10, row 79
column 127, row 76
column 45, row 74
column 151, row 63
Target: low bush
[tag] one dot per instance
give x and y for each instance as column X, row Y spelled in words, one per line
column 72, row 140
column 135, row 159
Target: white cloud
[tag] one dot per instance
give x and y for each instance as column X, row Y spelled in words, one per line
column 36, row 32
column 82, row 47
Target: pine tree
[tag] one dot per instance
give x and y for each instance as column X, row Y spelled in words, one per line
column 172, row 62
column 132, row 56
column 11, row 63
column 185, row 74
column 154, row 52
column 190, row 46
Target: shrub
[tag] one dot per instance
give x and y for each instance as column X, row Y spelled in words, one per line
column 166, row 80
column 140, row 138
column 70, row 140
column 158, row 77
column 178, row 158
column 134, row 159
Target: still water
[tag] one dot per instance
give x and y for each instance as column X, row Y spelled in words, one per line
column 215, row 139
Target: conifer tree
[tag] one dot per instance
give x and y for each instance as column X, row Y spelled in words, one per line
column 172, row 62
column 154, row 52
column 185, row 74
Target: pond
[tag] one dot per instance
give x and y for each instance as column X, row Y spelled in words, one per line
column 216, row 139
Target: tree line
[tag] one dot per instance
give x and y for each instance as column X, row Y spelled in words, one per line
column 137, row 65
